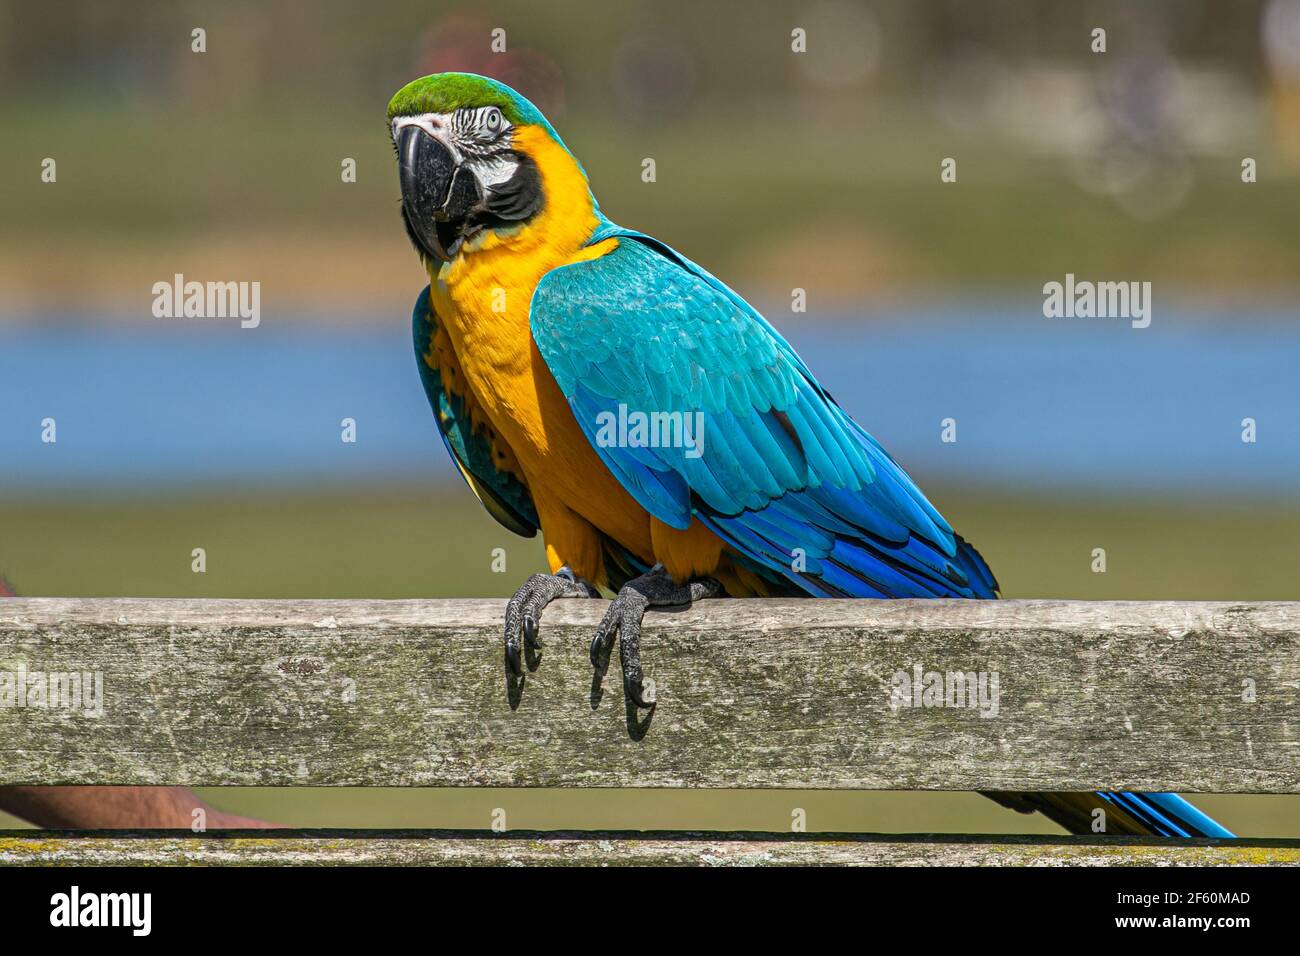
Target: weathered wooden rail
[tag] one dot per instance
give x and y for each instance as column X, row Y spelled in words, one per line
column 622, row 848
column 1197, row 697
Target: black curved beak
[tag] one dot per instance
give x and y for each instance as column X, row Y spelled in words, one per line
column 425, row 170
column 437, row 195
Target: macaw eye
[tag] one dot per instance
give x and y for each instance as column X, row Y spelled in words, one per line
column 493, row 120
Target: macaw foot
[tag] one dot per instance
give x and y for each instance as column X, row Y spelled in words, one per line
column 655, row 588
column 524, row 613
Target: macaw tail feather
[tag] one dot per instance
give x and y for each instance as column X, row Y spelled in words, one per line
column 1126, row 814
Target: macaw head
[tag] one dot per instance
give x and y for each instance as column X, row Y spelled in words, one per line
column 474, row 159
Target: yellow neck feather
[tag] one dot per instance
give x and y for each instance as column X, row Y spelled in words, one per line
column 510, row 258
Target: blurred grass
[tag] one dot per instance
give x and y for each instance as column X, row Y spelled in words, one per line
column 257, row 194
column 774, row 170
column 392, row 542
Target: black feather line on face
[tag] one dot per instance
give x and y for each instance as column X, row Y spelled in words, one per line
column 520, row 196
column 410, row 234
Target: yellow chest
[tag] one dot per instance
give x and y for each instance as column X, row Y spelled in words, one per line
column 483, row 300
column 484, row 308
column 483, row 296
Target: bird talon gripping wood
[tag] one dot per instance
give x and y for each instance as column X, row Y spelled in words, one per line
column 595, row 384
column 655, row 588
column 524, row 613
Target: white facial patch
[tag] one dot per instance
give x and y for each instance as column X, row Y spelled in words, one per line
column 491, row 168
column 437, row 125
column 495, row 170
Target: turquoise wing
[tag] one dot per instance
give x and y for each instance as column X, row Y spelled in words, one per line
column 763, row 456
column 480, row 455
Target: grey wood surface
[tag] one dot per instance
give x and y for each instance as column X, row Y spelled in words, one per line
column 1123, row 695
column 468, row 848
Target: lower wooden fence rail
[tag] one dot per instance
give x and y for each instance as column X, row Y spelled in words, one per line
column 1052, row 695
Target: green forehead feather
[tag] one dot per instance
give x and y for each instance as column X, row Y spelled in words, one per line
column 445, row 92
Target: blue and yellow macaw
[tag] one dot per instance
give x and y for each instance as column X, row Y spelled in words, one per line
column 549, row 337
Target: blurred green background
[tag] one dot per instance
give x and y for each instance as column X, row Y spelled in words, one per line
column 776, row 170
column 1126, row 161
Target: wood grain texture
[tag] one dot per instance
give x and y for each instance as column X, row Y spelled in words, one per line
column 477, row 848
column 1123, row 695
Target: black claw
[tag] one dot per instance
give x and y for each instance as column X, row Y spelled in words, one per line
column 512, row 660
column 633, row 678
column 532, row 644
column 635, row 693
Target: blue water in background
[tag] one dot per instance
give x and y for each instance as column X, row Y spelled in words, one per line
column 1043, row 404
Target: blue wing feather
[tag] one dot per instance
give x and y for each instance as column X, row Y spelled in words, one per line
column 783, row 472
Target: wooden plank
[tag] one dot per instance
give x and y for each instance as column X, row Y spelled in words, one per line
column 537, row 848
column 1124, row 695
